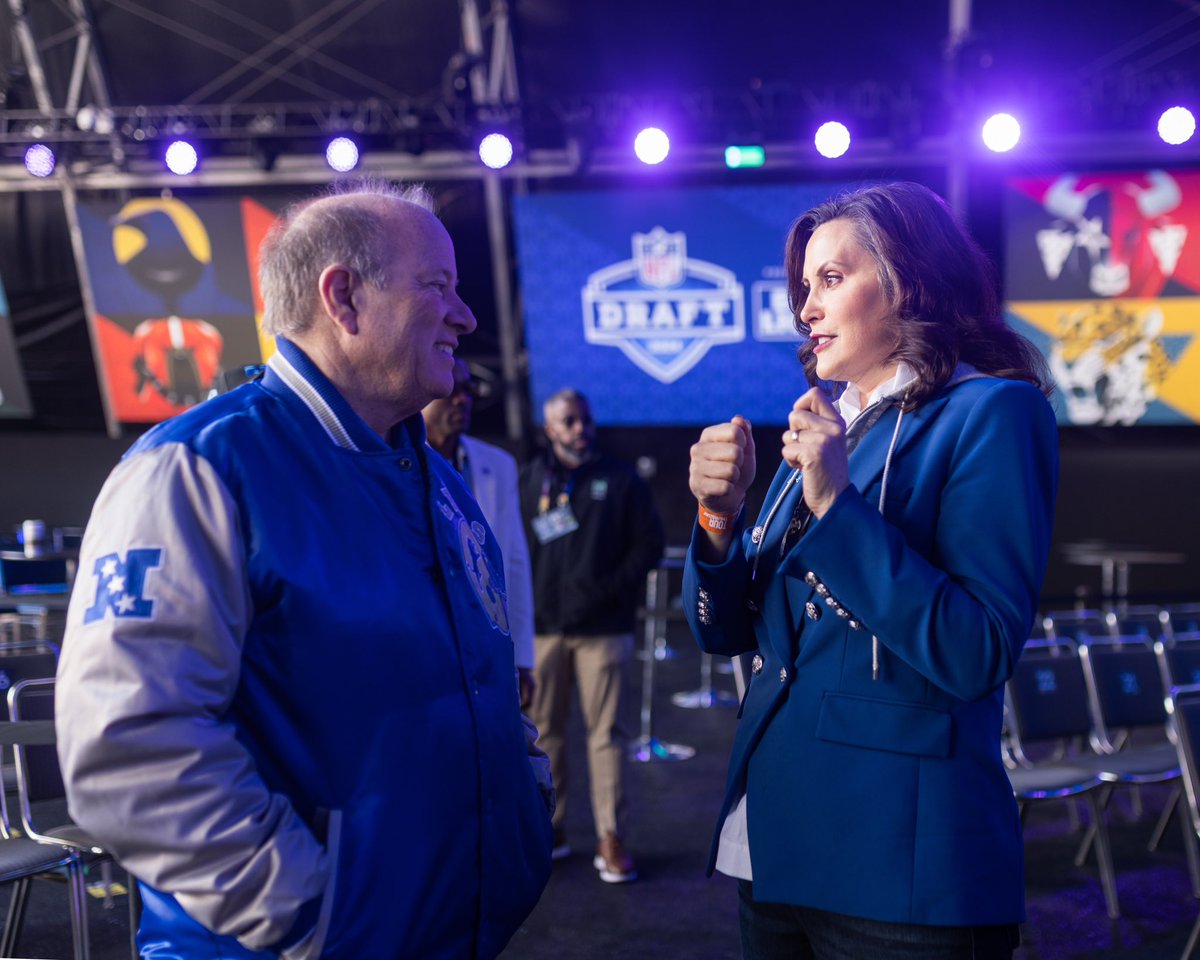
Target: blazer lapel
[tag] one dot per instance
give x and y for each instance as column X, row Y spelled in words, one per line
column 868, row 459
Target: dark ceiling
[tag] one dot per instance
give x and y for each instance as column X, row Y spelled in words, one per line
column 590, row 68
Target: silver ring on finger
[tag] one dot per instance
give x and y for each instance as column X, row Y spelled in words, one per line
column 794, row 436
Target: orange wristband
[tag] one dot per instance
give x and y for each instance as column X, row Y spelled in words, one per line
column 717, row 522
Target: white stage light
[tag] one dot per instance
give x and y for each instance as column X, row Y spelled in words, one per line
column 1001, row 132
column 652, row 146
column 832, row 139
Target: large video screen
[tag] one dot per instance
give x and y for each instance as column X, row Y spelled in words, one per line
column 1103, row 272
column 665, row 306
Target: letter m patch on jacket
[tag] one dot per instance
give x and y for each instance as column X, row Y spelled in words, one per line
column 119, row 585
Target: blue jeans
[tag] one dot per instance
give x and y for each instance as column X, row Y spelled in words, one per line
column 781, row 931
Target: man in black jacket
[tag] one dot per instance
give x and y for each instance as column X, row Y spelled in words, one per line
column 593, row 535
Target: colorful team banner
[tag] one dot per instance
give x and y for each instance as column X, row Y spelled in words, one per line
column 14, row 397
column 1103, row 272
column 664, row 307
column 174, row 289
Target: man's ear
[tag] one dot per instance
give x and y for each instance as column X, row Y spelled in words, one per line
column 336, row 287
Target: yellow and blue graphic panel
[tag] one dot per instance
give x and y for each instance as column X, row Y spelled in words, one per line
column 1103, row 273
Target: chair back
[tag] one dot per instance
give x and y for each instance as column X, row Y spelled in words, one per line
column 1183, row 704
column 1140, row 620
column 1124, row 689
column 1179, row 659
column 1077, row 625
column 1046, row 696
column 1182, row 618
column 39, row 779
column 24, row 660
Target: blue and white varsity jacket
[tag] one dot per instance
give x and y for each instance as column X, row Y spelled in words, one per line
column 285, row 700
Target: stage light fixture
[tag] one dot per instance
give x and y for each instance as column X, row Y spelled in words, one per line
column 652, row 146
column 496, row 151
column 1177, row 125
column 181, row 158
column 745, row 156
column 832, row 139
column 1001, row 132
column 342, row 154
column 39, row 160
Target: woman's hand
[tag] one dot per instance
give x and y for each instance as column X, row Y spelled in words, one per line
column 723, row 466
column 816, row 444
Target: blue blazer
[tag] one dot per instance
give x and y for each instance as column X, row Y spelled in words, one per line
column 886, row 798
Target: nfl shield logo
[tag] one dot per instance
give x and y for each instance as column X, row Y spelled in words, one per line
column 660, row 257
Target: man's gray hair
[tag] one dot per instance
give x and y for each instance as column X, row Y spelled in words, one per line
column 348, row 225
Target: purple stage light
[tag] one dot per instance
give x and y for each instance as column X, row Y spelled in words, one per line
column 342, row 154
column 652, row 146
column 39, row 160
column 1176, row 125
column 832, row 139
column 181, row 158
column 496, row 151
column 1001, row 132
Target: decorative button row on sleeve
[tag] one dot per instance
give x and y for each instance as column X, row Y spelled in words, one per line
column 704, row 607
column 814, row 612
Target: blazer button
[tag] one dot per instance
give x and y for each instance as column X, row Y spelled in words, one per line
column 756, row 535
column 756, row 664
column 812, row 611
column 783, row 674
column 822, row 590
column 810, row 578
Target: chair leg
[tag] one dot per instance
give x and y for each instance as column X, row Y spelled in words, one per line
column 1085, row 845
column 1190, row 947
column 1160, row 827
column 1108, row 878
column 77, row 885
column 135, row 913
column 16, row 917
column 106, row 878
column 1192, row 850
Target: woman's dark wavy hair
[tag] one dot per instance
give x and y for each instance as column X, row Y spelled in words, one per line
column 940, row 286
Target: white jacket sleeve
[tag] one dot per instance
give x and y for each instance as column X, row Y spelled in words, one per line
column 149, row 667
column 518, row 577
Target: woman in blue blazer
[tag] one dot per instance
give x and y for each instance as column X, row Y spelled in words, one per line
column 886, row 590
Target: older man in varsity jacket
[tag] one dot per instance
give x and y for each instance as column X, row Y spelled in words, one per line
column 286, row 698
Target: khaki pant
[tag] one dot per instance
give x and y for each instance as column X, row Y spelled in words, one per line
column 598, row 665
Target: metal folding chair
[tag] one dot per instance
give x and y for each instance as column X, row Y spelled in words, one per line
column 23, row 859
column 1129, row 726
column 42, row 795
column 1046, row 711
column 1183, row 706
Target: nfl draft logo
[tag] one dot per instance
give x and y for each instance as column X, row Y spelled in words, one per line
column 661, row 309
